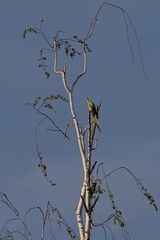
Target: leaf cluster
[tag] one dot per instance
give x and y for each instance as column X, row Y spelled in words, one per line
column 61, row 221
column 43, row 168
column 96, row 188
column 46, row 102
column 42, row 63
column 29, row 30
column 69, row 49
column 150, row 198
column 118, row 219
column 71, row 233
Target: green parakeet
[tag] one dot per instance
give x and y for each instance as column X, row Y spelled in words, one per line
column 94, row 110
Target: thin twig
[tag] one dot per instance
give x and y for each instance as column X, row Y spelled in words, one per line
column 84, row 66
column 50, row 119
column 125, row 14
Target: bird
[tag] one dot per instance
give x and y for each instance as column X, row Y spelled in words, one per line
column 94, row 110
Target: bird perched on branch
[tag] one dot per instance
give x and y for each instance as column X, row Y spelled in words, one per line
column 94, row 110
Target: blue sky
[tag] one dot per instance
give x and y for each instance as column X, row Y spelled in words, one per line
column 130, row 113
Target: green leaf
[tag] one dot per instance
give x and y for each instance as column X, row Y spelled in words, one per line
column 47, row 74
column 24, row 34
column 66, row 51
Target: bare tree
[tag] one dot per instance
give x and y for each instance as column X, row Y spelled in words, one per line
column 95, row 179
